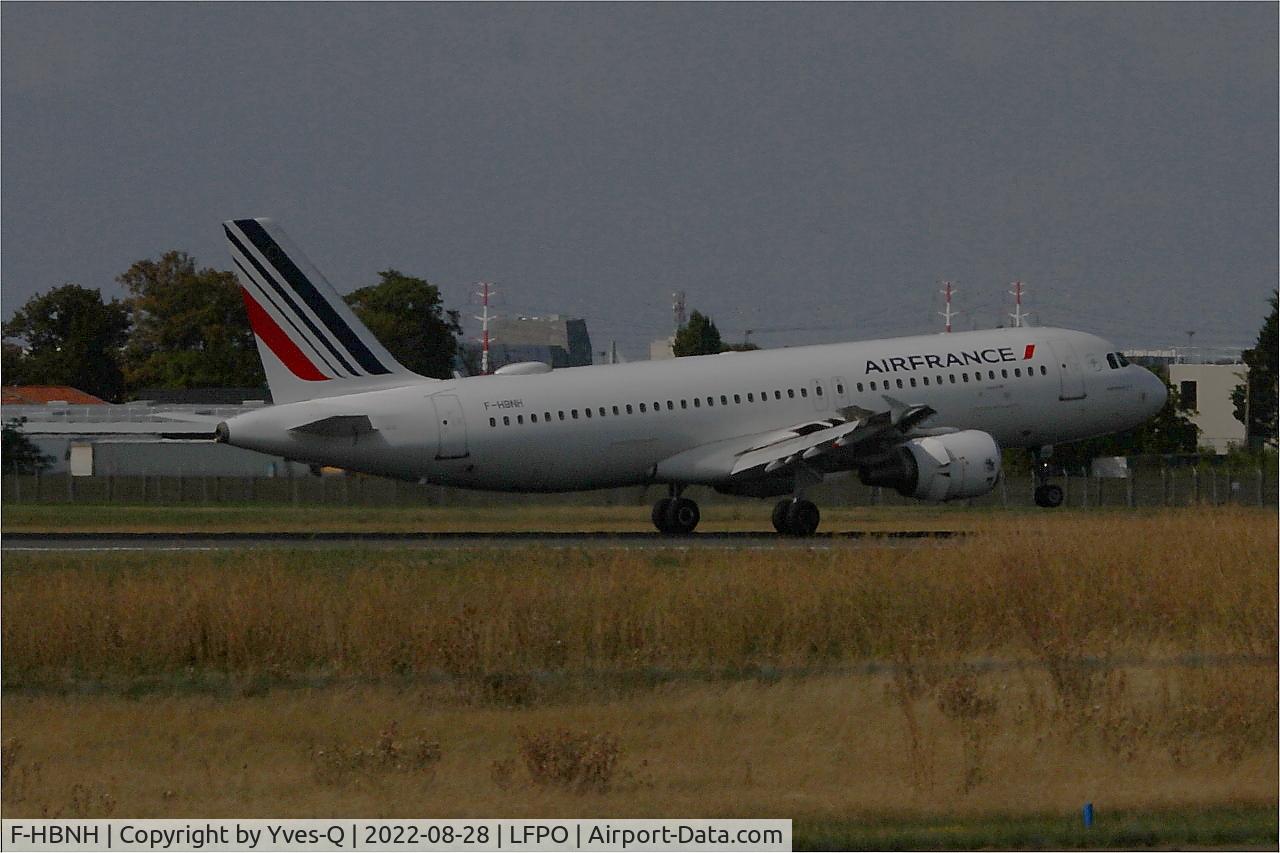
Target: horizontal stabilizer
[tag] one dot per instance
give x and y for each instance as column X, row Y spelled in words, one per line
column 337, row 426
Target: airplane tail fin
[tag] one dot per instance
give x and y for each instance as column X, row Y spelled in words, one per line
column 310, row 342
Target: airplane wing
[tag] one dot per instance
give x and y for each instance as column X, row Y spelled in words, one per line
column 838, row 443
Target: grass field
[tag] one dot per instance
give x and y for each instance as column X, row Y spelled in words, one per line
column 977, row 692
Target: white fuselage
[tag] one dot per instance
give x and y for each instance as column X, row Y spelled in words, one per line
column 596, row 427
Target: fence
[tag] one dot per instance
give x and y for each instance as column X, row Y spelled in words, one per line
column 1145, row 487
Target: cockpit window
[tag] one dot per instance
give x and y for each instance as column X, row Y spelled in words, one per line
column 1124, row 362
column 1111, row 360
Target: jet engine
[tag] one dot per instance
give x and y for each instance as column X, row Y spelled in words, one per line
column 938, row 468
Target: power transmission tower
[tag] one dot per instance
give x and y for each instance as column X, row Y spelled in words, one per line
column 484, row 292
column 946, row 291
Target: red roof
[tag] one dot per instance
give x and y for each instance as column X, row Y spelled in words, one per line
column 35, row 395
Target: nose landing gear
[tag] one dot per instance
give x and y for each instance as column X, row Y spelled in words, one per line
column 1047, row 495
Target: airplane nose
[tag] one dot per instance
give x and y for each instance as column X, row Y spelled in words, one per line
column 1155, row 392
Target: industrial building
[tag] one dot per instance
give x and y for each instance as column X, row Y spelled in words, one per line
column 553, row 339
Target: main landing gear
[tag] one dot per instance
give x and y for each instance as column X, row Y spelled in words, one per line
column 675, row 515
column 795, row 517
column 1047, row 494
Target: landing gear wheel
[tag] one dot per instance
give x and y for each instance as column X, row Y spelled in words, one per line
column 681, row 516
column 796, row 517
column 780, row 516
column 1049, row 496
column 802, row 518
column 660, row 514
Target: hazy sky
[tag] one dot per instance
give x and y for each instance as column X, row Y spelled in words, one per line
column 817, row 168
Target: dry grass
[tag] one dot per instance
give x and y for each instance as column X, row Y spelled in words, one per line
column 807, row 684
column 809, row 748
column 1050, row 590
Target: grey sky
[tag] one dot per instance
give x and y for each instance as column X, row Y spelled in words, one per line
column 814, row 166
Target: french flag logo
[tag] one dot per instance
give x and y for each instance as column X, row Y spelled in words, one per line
column 1028, row 352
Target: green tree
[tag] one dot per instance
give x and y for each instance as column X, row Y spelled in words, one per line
column 406, row 315
column 190, row 327
column 72, row 338
column 1170, row 431
column 1255, row 398
column 699, row 336
column 19, row 454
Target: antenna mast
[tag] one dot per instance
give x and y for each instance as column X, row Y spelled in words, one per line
column 1018, row 314
column 677, row 309
column 947, row 290
column 484, row 318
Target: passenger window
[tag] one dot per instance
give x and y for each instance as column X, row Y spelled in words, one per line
column 939, row 379
column 873, row 385
column 899, row 383
column 751, row 398
column 964, row 376
column 1044, row 371
column 533, row 418
column 777, row 395
column 953, row 378
column 1017, row 372
column 839, row 388
column 791, row 392
column 991, row 374
column 1004, row 373
column 684, row 404
column 859, row 387
column 506, row 420
column 587, row 411
column 737, row 399
column 913, row 382
column 817, row 389
column 924, row 379
column 520, row 419
column 493, row 422
column 628, row 408
column 615, row 410
column 561, row 414
column 804, row 392
column 546, row 416
column 642, row 408
column 697, row 404
column 573, row 413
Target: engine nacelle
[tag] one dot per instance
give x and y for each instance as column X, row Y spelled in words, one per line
column 939, row 468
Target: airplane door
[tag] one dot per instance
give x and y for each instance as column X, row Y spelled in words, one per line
column 1069, row 374
column 453, row 428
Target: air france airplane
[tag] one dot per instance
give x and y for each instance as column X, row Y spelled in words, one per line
column 924, row 415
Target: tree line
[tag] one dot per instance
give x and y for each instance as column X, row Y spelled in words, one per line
column 182, row 326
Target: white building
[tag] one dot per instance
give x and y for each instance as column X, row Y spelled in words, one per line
column 1205, row 390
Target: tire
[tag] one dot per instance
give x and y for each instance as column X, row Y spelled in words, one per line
column 682, row 516
column 1049, row 496
column 660, row 514
column 802, row 518
column 780, row 517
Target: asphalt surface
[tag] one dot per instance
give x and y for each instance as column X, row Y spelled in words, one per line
column 454, row 540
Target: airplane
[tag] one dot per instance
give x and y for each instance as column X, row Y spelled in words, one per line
column 925, row 415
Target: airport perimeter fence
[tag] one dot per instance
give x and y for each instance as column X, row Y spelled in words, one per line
column 1144, row 487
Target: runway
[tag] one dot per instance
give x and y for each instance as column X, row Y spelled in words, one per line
column 18, row 542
